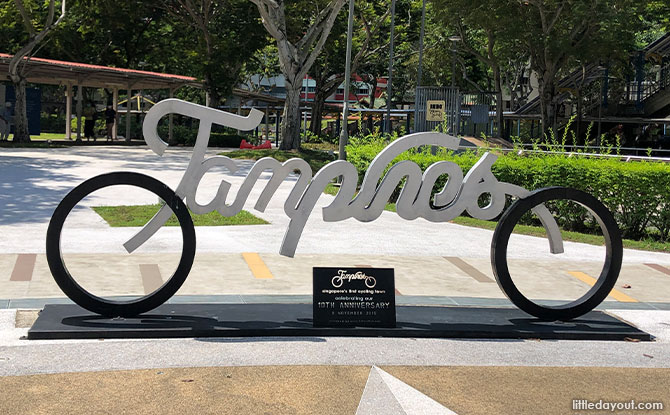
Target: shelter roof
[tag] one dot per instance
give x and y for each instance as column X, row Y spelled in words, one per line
column 55, row 72
column 660, row 47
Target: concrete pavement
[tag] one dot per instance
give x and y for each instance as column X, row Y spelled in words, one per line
column 434, row 263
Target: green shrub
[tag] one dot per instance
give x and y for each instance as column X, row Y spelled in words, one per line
column 637, row 193
column 52, row 123
column 309, row 137
column 185, row 135
column 181, row 134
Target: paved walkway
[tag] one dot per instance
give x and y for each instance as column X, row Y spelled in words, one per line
column 434, row 264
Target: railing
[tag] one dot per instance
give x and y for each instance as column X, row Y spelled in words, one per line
column 591, row 151
column 653, row 82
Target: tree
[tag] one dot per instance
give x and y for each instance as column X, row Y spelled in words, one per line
column 556, row 36
column 300, row 39
column 228, row 34
column 559, row 31
column 111, row 33
column 375, row 64
column 482, row 26
column 17, row 63
column 328, row 70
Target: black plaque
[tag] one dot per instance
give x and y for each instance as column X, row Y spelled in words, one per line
column 350, row 297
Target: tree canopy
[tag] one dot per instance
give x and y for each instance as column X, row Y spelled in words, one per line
column 222, row 42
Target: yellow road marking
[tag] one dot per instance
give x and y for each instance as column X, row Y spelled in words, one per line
column 256, row 265
column 617, row 295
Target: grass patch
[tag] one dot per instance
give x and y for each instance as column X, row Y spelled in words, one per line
column 139, row 215
column 49, row 136
column 645, row 245
column 324, row 146
column 331, row 189
column 31, row 144
column 315, row 158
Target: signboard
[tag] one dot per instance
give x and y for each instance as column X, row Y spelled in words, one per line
column 435, row 110
column 350, row 297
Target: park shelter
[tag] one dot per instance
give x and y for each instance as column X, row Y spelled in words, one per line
column 82, row 75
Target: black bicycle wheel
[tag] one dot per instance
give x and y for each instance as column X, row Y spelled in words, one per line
column 608, row 276
column 103, row 306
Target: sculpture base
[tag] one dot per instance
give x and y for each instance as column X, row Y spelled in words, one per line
column 61, row 321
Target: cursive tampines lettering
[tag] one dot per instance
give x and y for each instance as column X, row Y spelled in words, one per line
column 459, row 194
column 342, row 276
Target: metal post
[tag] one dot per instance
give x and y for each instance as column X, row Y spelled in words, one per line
column 518, row 127
column 421, row 35
column 267, row 123
column 344, row 134
column 80, row 97
column 68, row 112
column 389, row 89
column 277, row 129
column 420, row 70
column 115, row 107
column 453, row 67
column 128, row 113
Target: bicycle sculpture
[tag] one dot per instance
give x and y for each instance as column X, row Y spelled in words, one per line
column 460, row 194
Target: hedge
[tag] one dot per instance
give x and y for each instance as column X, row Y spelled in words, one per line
column 637, row 193
column 184, row 135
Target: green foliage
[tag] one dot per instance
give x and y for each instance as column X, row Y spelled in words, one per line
column 185, row 135
column 309, row 137
column 637, row 193
column 315, row 158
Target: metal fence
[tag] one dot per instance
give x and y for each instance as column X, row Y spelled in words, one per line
column 451, row 109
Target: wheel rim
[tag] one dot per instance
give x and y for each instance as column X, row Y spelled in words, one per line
column 105, row 306
column 607, row 278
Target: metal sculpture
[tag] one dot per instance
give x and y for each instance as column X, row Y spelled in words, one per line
column 460, row 194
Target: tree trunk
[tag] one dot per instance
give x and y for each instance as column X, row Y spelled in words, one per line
column 499, row 103
column 546, row 110
column 210, row 88
column 290, row 128
column 21, row 132
column 371, row 117
column 317, row 111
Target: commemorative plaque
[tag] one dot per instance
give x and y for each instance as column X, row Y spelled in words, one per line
column 350, row 297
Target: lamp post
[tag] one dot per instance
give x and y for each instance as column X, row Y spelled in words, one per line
column 453, row 40
column 421, row 35
column 389, row 89
column 344, row 134
column 419, row 71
